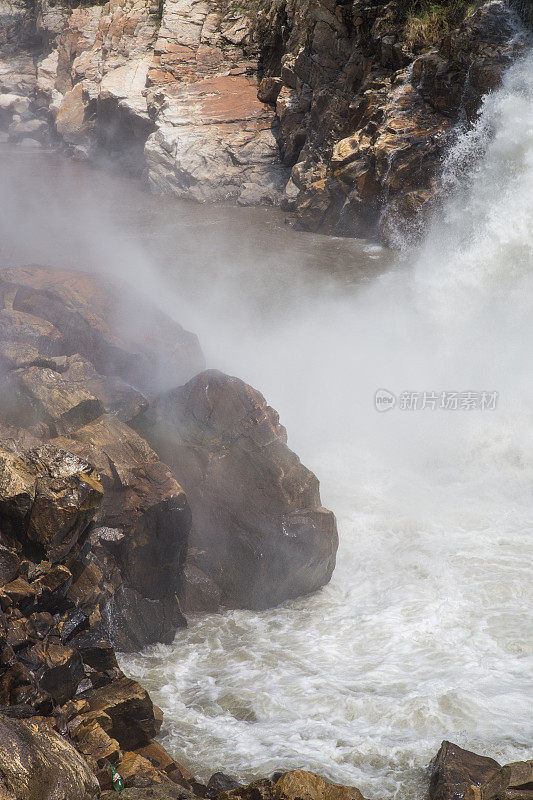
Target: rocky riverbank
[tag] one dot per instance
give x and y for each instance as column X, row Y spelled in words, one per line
column 339, row 112
column 104, row 406
column 136, row 487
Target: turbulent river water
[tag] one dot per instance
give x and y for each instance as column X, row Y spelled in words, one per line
column 424, row 633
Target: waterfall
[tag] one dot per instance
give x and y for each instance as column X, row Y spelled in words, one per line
column 425, row 631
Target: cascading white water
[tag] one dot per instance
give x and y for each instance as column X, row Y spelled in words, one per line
column 425, row 630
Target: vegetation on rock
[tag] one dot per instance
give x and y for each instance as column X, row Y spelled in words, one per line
column 428, row 21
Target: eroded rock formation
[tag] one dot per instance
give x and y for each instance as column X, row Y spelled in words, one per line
column 259, row 534
column 325, row 106
column 246, row 530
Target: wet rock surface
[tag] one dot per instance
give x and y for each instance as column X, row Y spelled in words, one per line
column 196, row 500
column 365, row 115
column 456, row 773
column 35, row 761
column 454, row 770
column 95, row 546
column 95, row 529
column 259, row 533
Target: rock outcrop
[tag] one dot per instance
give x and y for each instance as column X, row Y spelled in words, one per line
column 330, row 108
column 69, row 313
column 168, row 89
column 203, row 506
column 457, row 774
column 365, row 115
column 95, row 529
column 259, row 534
column 58, row 673
column 35, row 761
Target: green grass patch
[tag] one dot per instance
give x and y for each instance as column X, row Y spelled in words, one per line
column 427, row 21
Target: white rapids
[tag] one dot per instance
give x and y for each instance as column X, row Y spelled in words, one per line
column 425, row 630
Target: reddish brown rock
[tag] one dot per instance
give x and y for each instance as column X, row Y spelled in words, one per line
column 48, row 499
column 163, row 762
column 67, row 497
column 115, row 396
column 142, row 500
column 39, row 396
column 92, row 741
column 511, row 782
column 138, row 771
column 58, row 395
column 21, row 594
column 35, row 337
column 71, row 122
column 259, row 531
column 301, row 785
column 453, row 770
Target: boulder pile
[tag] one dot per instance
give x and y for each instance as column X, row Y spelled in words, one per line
column 196, row 502
column 102, row 422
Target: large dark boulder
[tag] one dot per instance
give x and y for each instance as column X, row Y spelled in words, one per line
column 454, row 770
column 38, row 764
column 259, row 534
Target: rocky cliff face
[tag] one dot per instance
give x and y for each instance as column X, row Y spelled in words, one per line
column 329, row 108
column 365, row 114
column 364, row 119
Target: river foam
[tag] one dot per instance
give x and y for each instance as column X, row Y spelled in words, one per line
column 425, row 630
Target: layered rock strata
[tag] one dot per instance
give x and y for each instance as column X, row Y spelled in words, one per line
column 328, row 108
